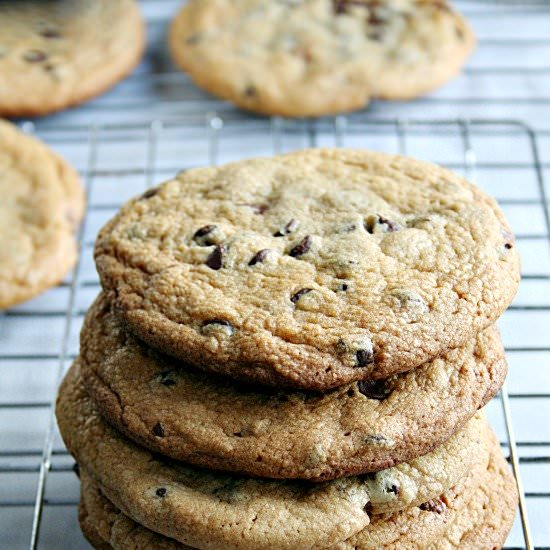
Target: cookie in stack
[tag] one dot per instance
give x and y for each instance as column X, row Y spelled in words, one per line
column 315, row 57
column 291, row 353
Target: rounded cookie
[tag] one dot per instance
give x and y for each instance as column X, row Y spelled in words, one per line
column 311, row 269
column 317, row 57
column 197, row 506
column 42, row 204
column 477, row 513
column 213, row 422
column 57, row 54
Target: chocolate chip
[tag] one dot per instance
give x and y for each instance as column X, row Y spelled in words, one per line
column 302, row 247
column 34, row 56
column 508, row 246
column 374, row 389
column 258, row 208
column 149, row 193
column 290, row 227
column 295, row 297
column 350, row 393
column 238, row 434
column 76, row 469
column 389, row 226
column 342, row 287
column 436, row 506
column 201, row 235
column 50, row 33
column 161, row 492
column 251, row 91
column 364, row 357
column 367, row 508
column 393, row 489
column 193, row 39
column 259, row 257
column 341, row 6
column 158, row 430
column 215, row 259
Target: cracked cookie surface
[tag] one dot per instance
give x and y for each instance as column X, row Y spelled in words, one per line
column 315, row 57
column 477, row 513
column 42, row 204
column 207, row 509
column 215, row 423
column 311, row 269
column 57, row 54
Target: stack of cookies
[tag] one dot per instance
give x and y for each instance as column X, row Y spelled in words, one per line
column 291, row 353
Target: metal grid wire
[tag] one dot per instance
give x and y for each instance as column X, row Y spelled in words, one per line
column 471, row 147
column 125, row 151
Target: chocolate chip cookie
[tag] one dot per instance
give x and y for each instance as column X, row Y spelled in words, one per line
column 317, row 57
column 312, row 269
column 57, row 54
column 477, row 513
column 41, row 206
column 213, row 422
column 197, row 506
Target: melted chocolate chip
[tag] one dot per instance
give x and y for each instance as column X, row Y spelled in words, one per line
column 35, row 56
column 302, row 247
column 158, row 430
column 149, row 193
column 374, row 389
column 290, row 227
column 295, row 297
column 364, row 357
column 201, row 235
column 215, row 259
column 259, row 257
column 251, row 91
column 50, row 33
column 161, row 492
column 436, row 506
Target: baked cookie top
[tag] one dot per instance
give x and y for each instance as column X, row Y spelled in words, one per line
column 54, row 54
column 311, row 269
column 42, row 204
column 197, row 506
column 477, row 512
column 315, row 57
column 215, row 423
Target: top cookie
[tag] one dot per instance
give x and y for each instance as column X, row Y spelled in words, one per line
column 42, row 203
column 57, row 54
column 311, row 269
column 315, row 57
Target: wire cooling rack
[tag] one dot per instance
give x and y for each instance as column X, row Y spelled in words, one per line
column 39, row 494
column 156, row 123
